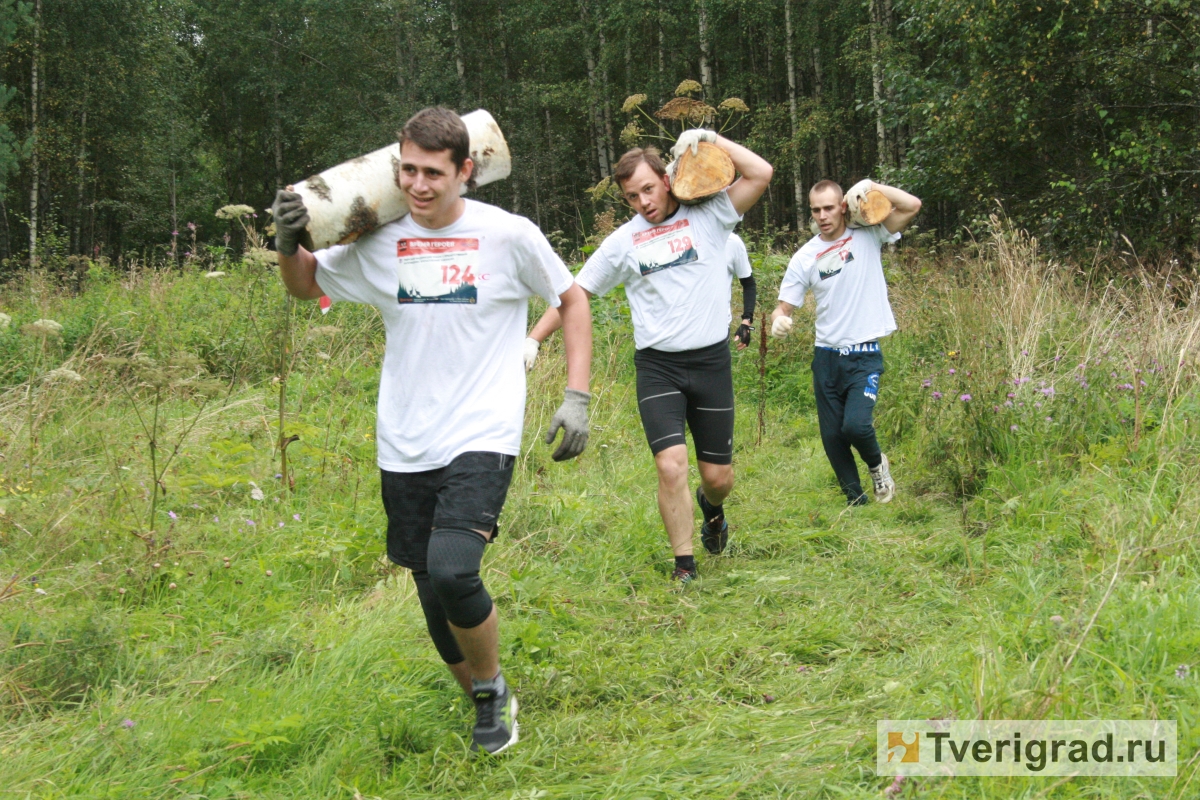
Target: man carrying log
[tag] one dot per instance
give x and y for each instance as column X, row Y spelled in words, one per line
column 672, row 260
column 451, row 280
column 842, row 267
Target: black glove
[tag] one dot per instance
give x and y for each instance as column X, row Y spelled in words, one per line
column 291, row 218
column 742, row 334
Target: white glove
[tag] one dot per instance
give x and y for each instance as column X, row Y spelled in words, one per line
column 781, row 327
column 530, row 353
column 692, row 138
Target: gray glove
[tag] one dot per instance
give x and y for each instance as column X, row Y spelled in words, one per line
column 572, row 417
column 291, row 218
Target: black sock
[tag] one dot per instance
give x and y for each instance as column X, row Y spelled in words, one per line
column 710, row 511
column 686, row 562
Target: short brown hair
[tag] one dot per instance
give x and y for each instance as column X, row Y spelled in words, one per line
column 629, row 162
column 438, row 128
column 821, row 186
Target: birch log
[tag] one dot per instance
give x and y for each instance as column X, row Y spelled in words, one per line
column 357, row 197
column 866, row 206
column 695, row 178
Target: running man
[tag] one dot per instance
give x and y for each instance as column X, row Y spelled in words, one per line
column 842, row 267
column 739, row 267
column 672, row 260
column 452, row 280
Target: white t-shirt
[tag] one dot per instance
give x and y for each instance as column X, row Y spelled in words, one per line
column 454, row 303
column 675, row 273
column 739, row 259
column 846, row 276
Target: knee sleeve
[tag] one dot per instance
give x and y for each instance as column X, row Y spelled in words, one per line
column 435, row 620
column 453, row 562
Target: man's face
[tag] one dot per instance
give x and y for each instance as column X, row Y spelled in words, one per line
column 430, row 181
column 829, row 210
column 649, row 194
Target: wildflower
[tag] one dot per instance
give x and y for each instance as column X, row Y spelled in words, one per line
column 1024, row 352
column 1049, row 419
column 1083, row 384
column 1011, row 395
column 255, row 492
column 632, row 102
column 688, row 86
column 937, row 395
column 969, row 373
column 1012, row 428
column 174, row 233
column 281, row 524
column 278, row 476
column 896, row 788
column 5, row 321
column 172, row 515
column 1057, row 619
column 251, row 523
column 1143, row 383
column 191, row 226
column 63, row 374
column 216, row 518
column 296, row 517
column 925, row 384
column 172, row 585
column 1008, row 404
column 1058, row 358
column 128, row 724
column 1037, row 405
column 1182, row 671
column 734, row 104
column 966, row 398
column 951, row 370
column 233, row 211
column 995, row 409
column 43, row 327
column 214, row 274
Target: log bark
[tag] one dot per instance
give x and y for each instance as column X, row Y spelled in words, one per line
column 698, row 177
column 867, row 206
column 364, row 193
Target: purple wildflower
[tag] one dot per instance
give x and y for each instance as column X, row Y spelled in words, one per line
column 281, row 524
column 925, row 384
column 251, row 523
column 1182, row 671
column 937, row 395
column 128, row 724
column 296, row 517
column 1008, row 403
column 172, row 515
column 1012, row 428
column 952, row 370
column 1011, row 395
column 966, row 398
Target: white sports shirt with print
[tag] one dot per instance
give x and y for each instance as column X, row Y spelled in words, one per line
column 738, row 258
column 675, row 273
column 454, row 304
column 846, row 275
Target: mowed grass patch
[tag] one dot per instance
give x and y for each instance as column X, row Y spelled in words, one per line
column 763, row 679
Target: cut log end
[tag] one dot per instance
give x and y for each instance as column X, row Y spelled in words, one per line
column 867, row 206
column 701, row 175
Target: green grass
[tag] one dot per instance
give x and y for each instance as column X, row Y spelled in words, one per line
column 764, row 679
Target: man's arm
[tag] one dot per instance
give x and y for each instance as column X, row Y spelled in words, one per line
column 904, row 207
column 299, row 273
column 755, row 172
column 575, row 318
column 552, row 320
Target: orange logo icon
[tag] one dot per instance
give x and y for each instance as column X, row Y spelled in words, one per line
column 908, row 752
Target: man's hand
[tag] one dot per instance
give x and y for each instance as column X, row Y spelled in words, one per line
column 692, row 139
column 291, row 218
column 742, row 334
column 572, row 417
column 531, row 352
column 781, row 327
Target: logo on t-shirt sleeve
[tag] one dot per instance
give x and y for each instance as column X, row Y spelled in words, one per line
column 664, row 246
column 831, row 260
column 437, row 270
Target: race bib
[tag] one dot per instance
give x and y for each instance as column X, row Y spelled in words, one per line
column 664, row 246
column 831, row 260
column 437, row 270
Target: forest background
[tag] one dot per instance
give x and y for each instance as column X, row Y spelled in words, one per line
column 122, row 121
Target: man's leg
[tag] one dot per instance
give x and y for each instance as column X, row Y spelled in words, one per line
column 716, row 481
column 674, row 502
column 858, row 424
column 830, row 412
column 469, row 503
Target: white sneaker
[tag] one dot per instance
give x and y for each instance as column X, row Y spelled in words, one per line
column 885, row 487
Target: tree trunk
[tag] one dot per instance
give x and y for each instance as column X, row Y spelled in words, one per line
column 33, row 135
column 705, row 54
column 400, row 28
column 277, row 124
column 662, row 54
column 818, row 89
column 797, row 188
column 606, row 103
column 77, row 228
column 594, row 110
column 458, row 51
column 883, row 156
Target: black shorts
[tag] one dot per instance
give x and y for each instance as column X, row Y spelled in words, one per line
column 694, row 386
column 468, row 494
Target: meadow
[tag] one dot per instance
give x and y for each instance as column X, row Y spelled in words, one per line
column 184, row 616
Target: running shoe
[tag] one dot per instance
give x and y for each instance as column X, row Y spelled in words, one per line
column 495, row 718
column 714, row 532
column 885, row 487
column 684, row 575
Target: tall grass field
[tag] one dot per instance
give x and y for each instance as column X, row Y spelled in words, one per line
column 182, row 616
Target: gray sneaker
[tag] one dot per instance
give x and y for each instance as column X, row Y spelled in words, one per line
column 885, row 487
column 495, row 716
